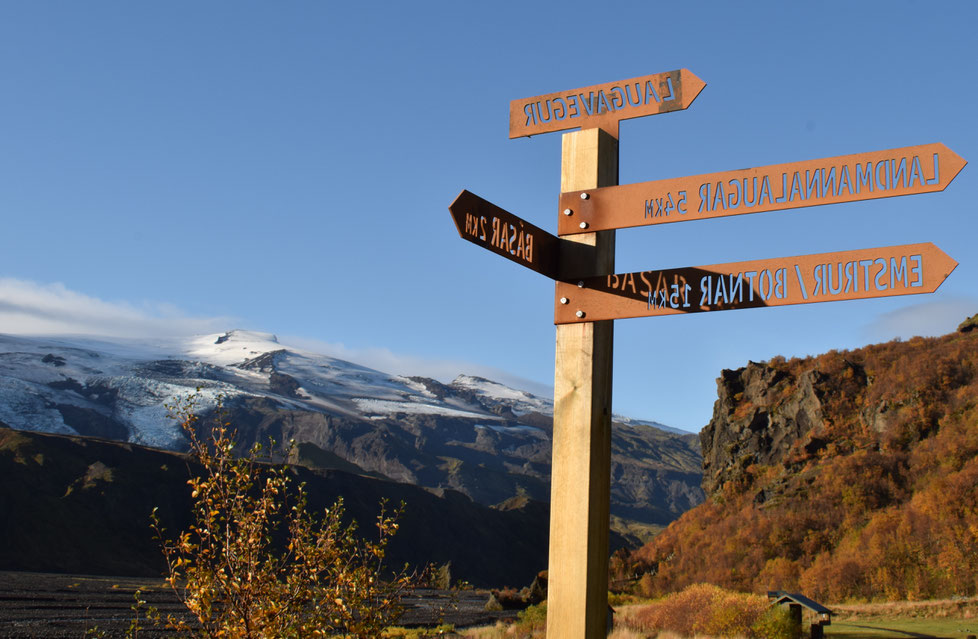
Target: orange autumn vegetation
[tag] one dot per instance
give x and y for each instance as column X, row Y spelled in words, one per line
column 705, row 610
column 884, row 507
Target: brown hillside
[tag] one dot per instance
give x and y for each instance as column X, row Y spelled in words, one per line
column 851, row 475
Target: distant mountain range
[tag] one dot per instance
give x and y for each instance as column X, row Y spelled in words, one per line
column 475, row 436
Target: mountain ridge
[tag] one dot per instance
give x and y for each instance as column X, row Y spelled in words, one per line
column 481, row 438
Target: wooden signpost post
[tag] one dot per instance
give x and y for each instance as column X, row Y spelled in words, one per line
column 589, row 295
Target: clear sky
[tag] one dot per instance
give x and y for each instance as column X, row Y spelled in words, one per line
column 287, row 167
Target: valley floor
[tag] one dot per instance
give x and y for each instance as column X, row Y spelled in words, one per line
column 957, row 618
column 56, row 606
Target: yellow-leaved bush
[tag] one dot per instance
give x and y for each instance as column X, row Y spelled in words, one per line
column 255, row 563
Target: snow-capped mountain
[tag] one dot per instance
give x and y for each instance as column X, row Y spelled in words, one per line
column 47, row 384
column 485, row 439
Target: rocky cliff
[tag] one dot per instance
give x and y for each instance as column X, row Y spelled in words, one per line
column 849, row 474
column 760, row 413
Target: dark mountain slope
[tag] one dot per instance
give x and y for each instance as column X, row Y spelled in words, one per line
column 80, row 505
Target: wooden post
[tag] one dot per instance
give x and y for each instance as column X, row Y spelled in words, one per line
column 577, row 603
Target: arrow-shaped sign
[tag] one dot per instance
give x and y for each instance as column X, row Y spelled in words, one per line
column 482, row 222
column 604, row 105
column 847, row 178
column 806, row 279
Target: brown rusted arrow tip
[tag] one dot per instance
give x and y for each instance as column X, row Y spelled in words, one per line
column 954, row 162
column 495, row 229
column 457, row 209
column 692, row 86
column 940, row 261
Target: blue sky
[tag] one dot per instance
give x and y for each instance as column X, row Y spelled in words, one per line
column 287, row 167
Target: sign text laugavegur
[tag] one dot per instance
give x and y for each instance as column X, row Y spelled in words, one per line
column 604, row 105
column 576, row 105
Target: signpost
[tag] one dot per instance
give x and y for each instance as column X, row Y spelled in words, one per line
column 779, row 187
column 589, row 295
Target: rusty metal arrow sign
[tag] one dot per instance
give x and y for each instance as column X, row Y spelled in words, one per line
column 604, row 105
column 493, row 228
column 806, row 279
column 849, row 178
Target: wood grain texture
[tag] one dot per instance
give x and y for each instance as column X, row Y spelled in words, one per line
column 580, row 477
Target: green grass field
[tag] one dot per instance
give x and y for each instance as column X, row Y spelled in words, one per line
column 947, row 628
column 948, row 618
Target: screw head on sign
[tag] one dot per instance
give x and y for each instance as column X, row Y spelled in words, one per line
column 579, row 313
column 584, row 196
column 568, row 212
column 564, row 300
column 583, row 225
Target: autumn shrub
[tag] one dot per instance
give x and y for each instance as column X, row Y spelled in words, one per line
column 445, row 629
column 255, row 563
column 531, row 623
column 704, row 609
column 775, row 623
column 680, row 612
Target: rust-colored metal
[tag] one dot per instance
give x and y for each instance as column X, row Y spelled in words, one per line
column 482, row 222
column 604, row 105
column 824, row 277
column 848, row 178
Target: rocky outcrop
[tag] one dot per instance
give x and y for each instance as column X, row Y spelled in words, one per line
column 969, row 324
column 760, row 413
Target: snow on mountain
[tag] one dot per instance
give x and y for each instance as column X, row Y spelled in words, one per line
column 629, row 421
column 121, row 388
column 105, row 387
column 520, row 402
column 230, row 349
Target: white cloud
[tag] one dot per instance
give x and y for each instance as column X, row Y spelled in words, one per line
column 29, row 308
column 927, row 319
